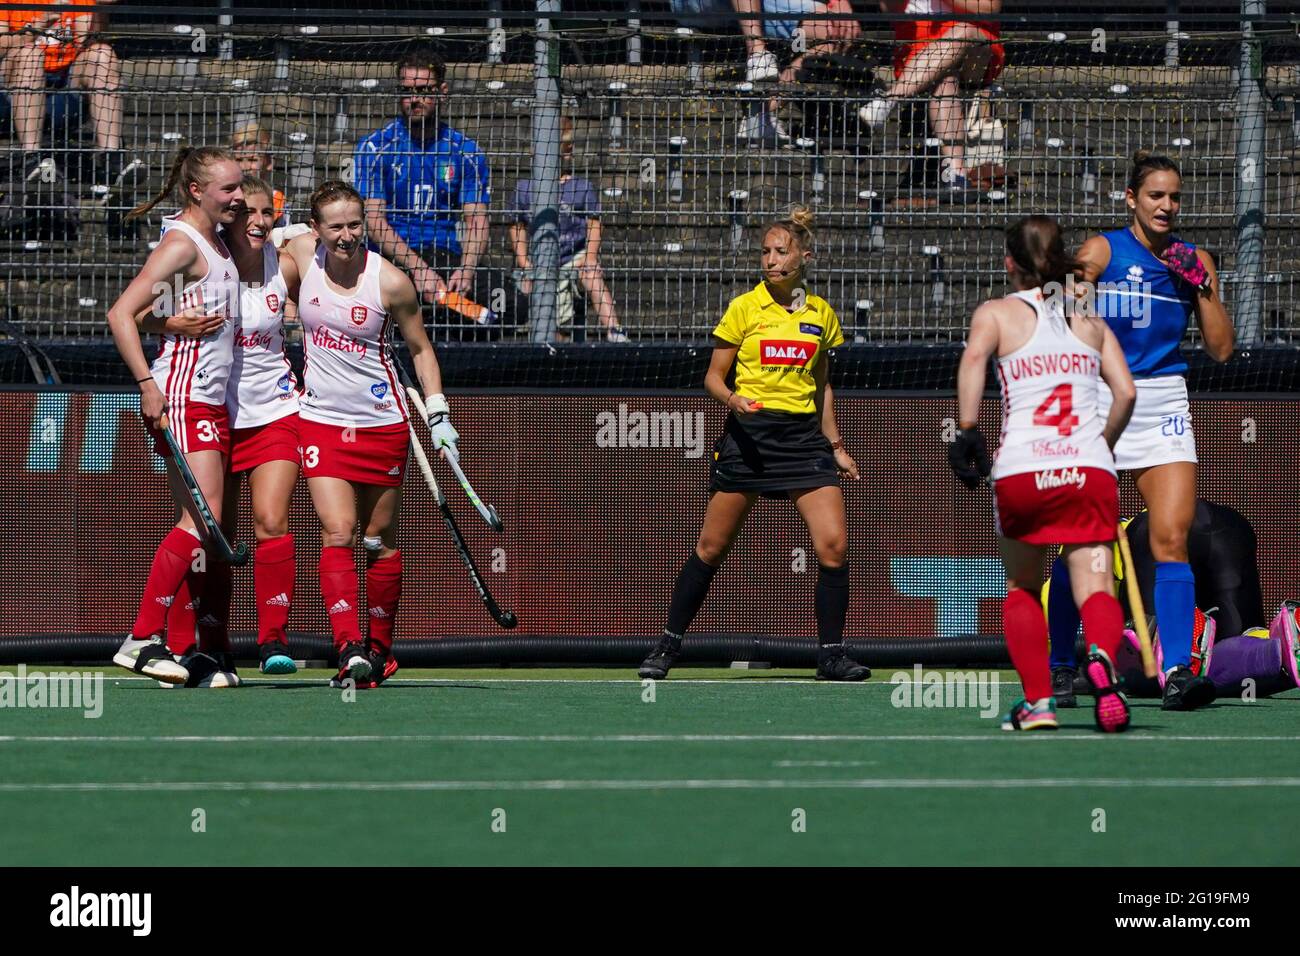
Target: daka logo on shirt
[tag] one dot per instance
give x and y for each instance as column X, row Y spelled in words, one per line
column 283, row 383
column 359, row 315
column 273, row 302
column 379, row 390
column 786, row 352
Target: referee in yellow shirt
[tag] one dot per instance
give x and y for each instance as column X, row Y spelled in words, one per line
column 780, row 441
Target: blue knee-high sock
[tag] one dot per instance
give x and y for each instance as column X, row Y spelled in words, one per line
column 1062, row 616
column 1175, row 609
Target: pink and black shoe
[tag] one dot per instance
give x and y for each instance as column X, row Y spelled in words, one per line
column 1111, row 707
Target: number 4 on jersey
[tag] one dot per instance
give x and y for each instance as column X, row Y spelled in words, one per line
column 1063, row 398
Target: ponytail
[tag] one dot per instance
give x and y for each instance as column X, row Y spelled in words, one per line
column 190, row 166
column 1037, row 247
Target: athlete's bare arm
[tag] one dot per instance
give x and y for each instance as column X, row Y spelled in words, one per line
column 981, row 345
column 401, row 302
column 1094, row 257
column 1212, row 315
column 715, row 379
column 171, row 265
column 1115, row 373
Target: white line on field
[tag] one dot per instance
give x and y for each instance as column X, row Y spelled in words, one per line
column 957, row 783
column 455, row 681
column 631, row 738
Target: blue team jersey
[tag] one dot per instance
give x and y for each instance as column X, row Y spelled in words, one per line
column 1145, row 305
column 424, row 185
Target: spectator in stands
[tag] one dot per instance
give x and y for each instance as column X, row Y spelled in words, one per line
column 251, row 144
column 579, row 243
column 936, row 57
column 761, row 63
column 50, row 51
column 426, row 188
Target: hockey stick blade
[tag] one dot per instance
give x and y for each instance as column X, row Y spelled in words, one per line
column 504, row 618
column 212, row 530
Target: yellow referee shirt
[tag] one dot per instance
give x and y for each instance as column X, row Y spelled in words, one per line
column 778, row 349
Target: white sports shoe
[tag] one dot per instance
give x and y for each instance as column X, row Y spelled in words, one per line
column 761, row 67
column 762, row 128
column 875, row 113
column 151, row 658
column 205, row 670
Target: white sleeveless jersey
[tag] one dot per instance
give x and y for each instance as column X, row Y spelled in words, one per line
column 1050, row 417
column 262, row 386
column 348, row 377
column 196, row 370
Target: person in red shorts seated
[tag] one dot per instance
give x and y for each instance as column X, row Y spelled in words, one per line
column 1054, row 472
column 185, row 387
column 937, row 57
column 354, row 427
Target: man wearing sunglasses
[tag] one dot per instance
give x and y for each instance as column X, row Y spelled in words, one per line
column 426, row 188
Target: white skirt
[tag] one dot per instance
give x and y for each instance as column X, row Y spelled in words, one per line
column 1160, row 430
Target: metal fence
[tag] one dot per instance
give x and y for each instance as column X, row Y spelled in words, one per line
column 687, row 159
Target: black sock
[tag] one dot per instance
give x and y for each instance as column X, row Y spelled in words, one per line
column 688, row 594
column 832, row 603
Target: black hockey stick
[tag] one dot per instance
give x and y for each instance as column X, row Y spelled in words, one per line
column 212, row 530
column 505, row 619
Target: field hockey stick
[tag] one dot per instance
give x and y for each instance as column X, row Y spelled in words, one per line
column 504, row 618
column 214, row 534
column 487, row 511
column 1135, row 605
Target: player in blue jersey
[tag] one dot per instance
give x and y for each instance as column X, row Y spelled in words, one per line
column 421, row 181
column 1148, row 284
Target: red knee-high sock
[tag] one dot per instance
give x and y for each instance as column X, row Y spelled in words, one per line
column 1025, row 628
column 383, row 591
column 214, row 608
column 338, row 586
column 1103, row 622
column 182, row 616
column 273, row 576
column 171, row 562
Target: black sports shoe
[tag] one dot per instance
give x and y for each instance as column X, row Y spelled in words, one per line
column 662, row 658
column 1185, row 691
column 354, row 664
column 1063, row 686
column 834, row 664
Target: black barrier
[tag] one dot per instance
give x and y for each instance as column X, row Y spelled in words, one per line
column 602, row 496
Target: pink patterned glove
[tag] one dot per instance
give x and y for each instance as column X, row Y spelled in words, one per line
column 1182, row 262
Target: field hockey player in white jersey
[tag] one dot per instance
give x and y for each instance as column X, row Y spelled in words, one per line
column 353, row 418
column 187, row 382
column 1054, row 473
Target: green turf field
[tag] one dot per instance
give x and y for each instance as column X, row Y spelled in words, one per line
column 714, row 771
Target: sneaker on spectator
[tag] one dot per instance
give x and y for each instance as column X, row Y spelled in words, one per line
column 113, row 172
column 874, row 114
column 615, row 334
column 39, row 169
column 763, row 128
column 761, row 67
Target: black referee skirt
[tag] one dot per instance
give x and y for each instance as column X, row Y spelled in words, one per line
column 773, row 453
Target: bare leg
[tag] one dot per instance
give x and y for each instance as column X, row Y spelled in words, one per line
column 593, row 283
column 24, row 75
column 99, row 71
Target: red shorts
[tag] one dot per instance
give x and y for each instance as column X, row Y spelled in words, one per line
column 367, row 456
column 1072, row 506
column 197, row 427
column 274, row 441
column 918, row 34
